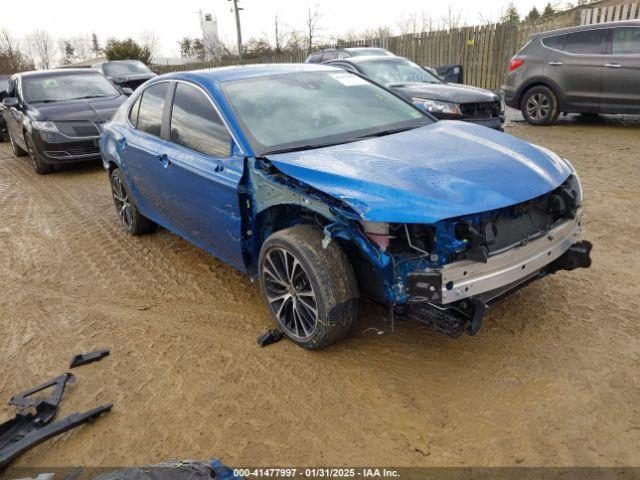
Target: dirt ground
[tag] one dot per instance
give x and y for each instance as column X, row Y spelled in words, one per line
column 551, row 379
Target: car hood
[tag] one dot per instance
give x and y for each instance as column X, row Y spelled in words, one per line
column 443, row 170
column 90, row 109
column 444, row 91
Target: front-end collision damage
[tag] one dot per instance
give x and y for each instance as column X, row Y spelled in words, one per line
column 447, row 272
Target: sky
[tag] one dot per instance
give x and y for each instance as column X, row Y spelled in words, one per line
column 176, row 19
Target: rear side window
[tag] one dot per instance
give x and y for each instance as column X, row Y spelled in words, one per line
column 586, row 42
column 556, row 42
column 151, row 108
column 625, row 41
column 195, row 123
column 133, row 113
column 315, row 58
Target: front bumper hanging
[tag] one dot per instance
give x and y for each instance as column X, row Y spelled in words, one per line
column 455, row 298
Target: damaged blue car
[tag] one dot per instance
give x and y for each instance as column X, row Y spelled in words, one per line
column 327, row 187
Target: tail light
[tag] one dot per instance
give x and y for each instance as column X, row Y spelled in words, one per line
column 515, row 63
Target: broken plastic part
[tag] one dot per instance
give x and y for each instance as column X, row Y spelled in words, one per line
column 84, row 358
column 45, row 406
column 28, row 429
column 269, row 337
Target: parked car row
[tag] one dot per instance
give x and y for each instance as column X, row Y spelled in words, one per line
column 323, row 182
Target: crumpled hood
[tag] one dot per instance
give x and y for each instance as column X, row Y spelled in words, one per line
column 90, row 109
column 448, row 92
column 444, row 170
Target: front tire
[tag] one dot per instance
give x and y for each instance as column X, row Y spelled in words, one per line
column 39, row 166
column 540, row 106
column 15, row 149
column 132, row 220
column 311, row 291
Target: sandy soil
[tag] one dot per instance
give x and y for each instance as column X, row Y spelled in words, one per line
column 552, row 379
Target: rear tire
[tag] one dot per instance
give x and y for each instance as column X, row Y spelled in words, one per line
column 540, row 106
column 311, row 291
column 39, row 166
column 132, row 220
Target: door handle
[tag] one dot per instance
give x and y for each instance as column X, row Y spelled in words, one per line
column 555, row 63
column 219, row 168
column 164, row 160
column 613, row 65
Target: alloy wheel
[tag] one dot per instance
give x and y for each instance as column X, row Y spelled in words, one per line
column 538, row 106
column 121, row 200
column 290, row 293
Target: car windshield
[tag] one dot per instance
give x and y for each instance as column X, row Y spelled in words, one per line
column 398, row 71
column 314, row 109
column 116, row 69
column 57, row 88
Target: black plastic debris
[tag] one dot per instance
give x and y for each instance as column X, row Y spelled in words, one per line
column 84, row 358
column 32, row 424
column 269, row 337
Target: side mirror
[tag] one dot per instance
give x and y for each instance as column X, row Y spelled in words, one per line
column 127, row 91
column 10, row 102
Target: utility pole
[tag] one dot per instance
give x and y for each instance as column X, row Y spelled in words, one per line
column 237, row 9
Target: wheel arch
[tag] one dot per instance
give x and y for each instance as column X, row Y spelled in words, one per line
column 279, row 217
column 540, row 82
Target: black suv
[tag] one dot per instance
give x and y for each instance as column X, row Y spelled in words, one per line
column 56, row 116
column 590, row 69
column 428, row 92
column 125, row 73
column 334, row 53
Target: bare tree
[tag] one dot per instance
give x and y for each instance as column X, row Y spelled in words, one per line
column 151, row 41
column 12, row 59
column 453, row 19
column 41, row 48
column 296, row 41
column 280, row 33
column 312, row 25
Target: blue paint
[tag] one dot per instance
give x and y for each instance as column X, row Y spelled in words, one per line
column 425, row 176
column 444, row 170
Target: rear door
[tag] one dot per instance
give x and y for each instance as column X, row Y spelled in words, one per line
column 620, row 91
column 142, row 152
column 203, row 174
column 575, row 64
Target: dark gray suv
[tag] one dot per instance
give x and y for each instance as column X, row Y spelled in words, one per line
column 589, row 69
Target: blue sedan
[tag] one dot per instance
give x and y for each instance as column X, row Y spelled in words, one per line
column 327, row 187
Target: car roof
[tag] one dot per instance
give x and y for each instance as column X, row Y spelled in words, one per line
column 129, row 60
column 57, row 72
column 242, row 72
column 370, row 58
column 593, row 26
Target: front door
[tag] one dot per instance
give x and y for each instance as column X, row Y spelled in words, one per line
column 620, row 91
column 14, row 117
